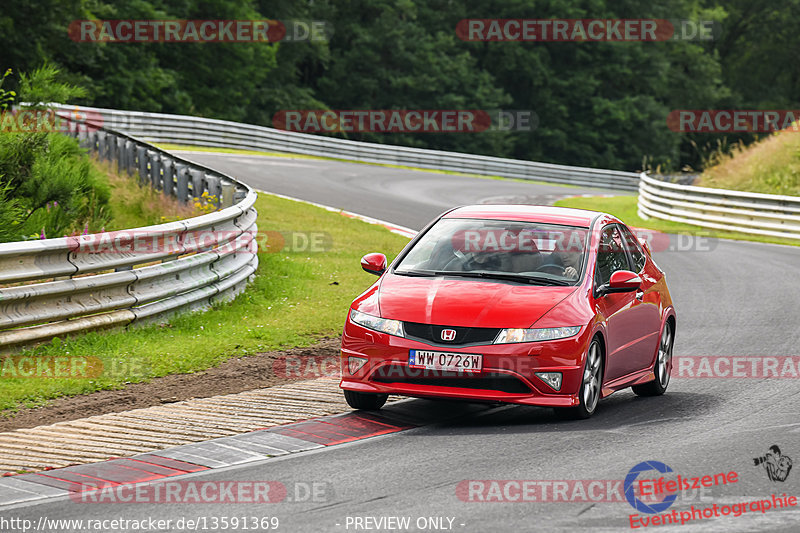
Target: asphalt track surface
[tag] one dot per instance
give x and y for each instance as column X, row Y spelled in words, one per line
column 736, row 299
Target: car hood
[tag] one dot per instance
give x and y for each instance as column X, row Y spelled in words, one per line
column 466, row 302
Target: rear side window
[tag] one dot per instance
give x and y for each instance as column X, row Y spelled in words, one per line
column 639, row 259
column 611, row 255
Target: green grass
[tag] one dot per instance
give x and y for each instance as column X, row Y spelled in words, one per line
column 624, row 208
column 135, row 206
column 296, row 299
column 771, row 166
column 177, row 147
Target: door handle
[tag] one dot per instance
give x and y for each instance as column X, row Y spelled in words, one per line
column 639, row 295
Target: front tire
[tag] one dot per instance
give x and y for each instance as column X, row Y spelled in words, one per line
column 364, row 400
column 662, row 368
column 591, row 385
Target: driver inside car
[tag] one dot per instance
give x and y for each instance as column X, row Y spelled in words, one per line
column 569, row 260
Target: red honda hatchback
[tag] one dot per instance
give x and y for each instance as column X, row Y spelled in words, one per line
column 522, row 304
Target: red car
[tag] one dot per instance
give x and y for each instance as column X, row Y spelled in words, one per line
column 523, row 304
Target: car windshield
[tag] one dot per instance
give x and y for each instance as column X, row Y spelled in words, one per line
column 525, row 251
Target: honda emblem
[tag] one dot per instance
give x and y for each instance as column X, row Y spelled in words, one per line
column 448, row 334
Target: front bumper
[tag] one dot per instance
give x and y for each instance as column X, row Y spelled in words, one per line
column 508, row 373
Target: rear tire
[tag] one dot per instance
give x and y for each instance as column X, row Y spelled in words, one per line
column 364, row 400
column 661, row 368
column 591, row 386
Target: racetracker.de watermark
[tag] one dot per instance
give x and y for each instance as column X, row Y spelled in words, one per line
column 199, row 31
column 307, row 366
column 404, row 120
column 143, row 242
column 736, row 367
column 45, row 120
column 204, row 492
column 733, row 120
column 560, row 491
column 686, row 366
column 582, row 30
column 676, row 242
column 70, row 367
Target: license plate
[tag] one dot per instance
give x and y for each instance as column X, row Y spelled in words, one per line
column 445, row 361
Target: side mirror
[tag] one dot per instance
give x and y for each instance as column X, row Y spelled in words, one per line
column 374, row 263
column 621, row 281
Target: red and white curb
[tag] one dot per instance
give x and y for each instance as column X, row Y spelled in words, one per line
column 217, row 453
column 259, row 445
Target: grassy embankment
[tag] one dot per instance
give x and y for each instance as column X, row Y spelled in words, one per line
column 770, row 166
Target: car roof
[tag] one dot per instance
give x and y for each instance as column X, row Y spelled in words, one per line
column 528, row 213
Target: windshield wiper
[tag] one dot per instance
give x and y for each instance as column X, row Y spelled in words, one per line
column 484, row 275
column 420, row 273
column 509, row 277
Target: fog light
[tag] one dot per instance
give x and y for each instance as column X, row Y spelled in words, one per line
column 551, row 378
column 354, row 364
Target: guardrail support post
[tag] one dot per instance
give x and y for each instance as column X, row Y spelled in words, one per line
column 101, row 144
column 92, row 141
column 182, row 182
column 198, row 183
column 228, row 190
column 83, row 136
column 141, row 158
column 214, row 188
column 111, row 142
column 121, row 155
column 130, row 155
column 155, row 169
column 168, row 166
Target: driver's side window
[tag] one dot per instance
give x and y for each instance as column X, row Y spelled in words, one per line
column 611, row 255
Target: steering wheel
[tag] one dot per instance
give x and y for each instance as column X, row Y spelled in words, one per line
column 458, row 262
column 551, row 268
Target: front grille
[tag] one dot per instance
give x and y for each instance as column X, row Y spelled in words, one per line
column 490, row 381
column 433, row 333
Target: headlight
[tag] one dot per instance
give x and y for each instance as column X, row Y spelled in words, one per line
column 384, row 325
column 507, row 336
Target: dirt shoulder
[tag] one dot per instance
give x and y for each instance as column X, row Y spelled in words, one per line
column 234, row 375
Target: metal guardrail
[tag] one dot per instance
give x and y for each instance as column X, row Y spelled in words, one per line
column 745, row 212
column 180, row 129
column 134, row 276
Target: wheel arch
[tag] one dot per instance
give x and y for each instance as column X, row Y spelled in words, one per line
column 598, row 334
